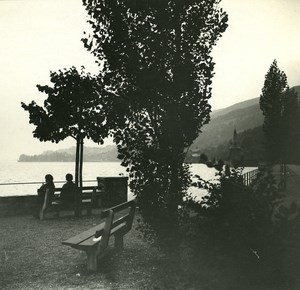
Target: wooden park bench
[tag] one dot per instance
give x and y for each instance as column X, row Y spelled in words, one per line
column 117, row 222
column 87, row 197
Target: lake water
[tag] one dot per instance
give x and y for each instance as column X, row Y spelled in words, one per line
column 12, row 173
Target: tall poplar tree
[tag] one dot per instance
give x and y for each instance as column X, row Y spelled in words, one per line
column 157, row 62
column 280, row 106
column 271, row 104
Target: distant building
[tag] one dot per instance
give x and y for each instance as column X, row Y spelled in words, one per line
column 235, row 152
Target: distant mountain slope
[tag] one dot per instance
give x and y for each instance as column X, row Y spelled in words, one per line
column 241, row 105
column 220, row 129
column 91, row 154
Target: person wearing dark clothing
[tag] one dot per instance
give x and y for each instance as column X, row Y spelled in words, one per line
column 45, row 195
column 68, row 191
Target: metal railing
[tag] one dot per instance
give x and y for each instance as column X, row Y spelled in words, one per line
column 30, row 187
column 249, row 176
column 38, row 182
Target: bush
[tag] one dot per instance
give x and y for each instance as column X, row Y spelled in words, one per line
column 243, row 233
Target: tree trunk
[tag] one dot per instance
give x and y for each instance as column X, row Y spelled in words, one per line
column 81, row 163
column 77, row 162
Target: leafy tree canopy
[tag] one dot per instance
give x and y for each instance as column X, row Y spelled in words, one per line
column 72, row 108
column 75, row 107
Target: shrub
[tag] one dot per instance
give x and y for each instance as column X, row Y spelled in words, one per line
column 245, row 232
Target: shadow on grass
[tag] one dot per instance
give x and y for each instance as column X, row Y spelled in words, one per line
column 32, row 257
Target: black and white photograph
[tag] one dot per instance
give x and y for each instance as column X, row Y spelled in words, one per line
column 150, row 144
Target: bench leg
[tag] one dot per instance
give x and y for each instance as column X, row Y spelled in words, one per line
column 119, row 243
column 57, row 210
column 89, row 210
column 77, row 210
column 57, row 213
column 78, row 206
column 92, row 260
column 42, row 214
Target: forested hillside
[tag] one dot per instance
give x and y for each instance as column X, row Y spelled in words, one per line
column 91, row 154
column 251, row 142
column 220, row 129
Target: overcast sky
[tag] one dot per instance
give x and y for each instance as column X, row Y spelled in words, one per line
column 42, row 35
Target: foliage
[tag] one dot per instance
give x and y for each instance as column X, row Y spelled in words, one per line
column 252, row 143
column 290, row 126
column 156, row 59
column 246, row 229
column 73, row 108
column 280, row 107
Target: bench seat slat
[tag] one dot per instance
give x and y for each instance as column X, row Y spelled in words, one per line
column 57, row 189
column 85, row 239
column 88, row 199
column 84, row 235
column 85, row 190
column 88, row 243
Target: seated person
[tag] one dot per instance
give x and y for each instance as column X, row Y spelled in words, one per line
column 45, row 195
column 68, row 191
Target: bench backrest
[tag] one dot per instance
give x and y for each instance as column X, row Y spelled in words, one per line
column 83, row 189
column 84, row 192
column 122, row 223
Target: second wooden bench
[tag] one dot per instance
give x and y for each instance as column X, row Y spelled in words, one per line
column 95, row 240
column 87, row 197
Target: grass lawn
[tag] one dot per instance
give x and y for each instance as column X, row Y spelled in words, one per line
column 32, row 257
